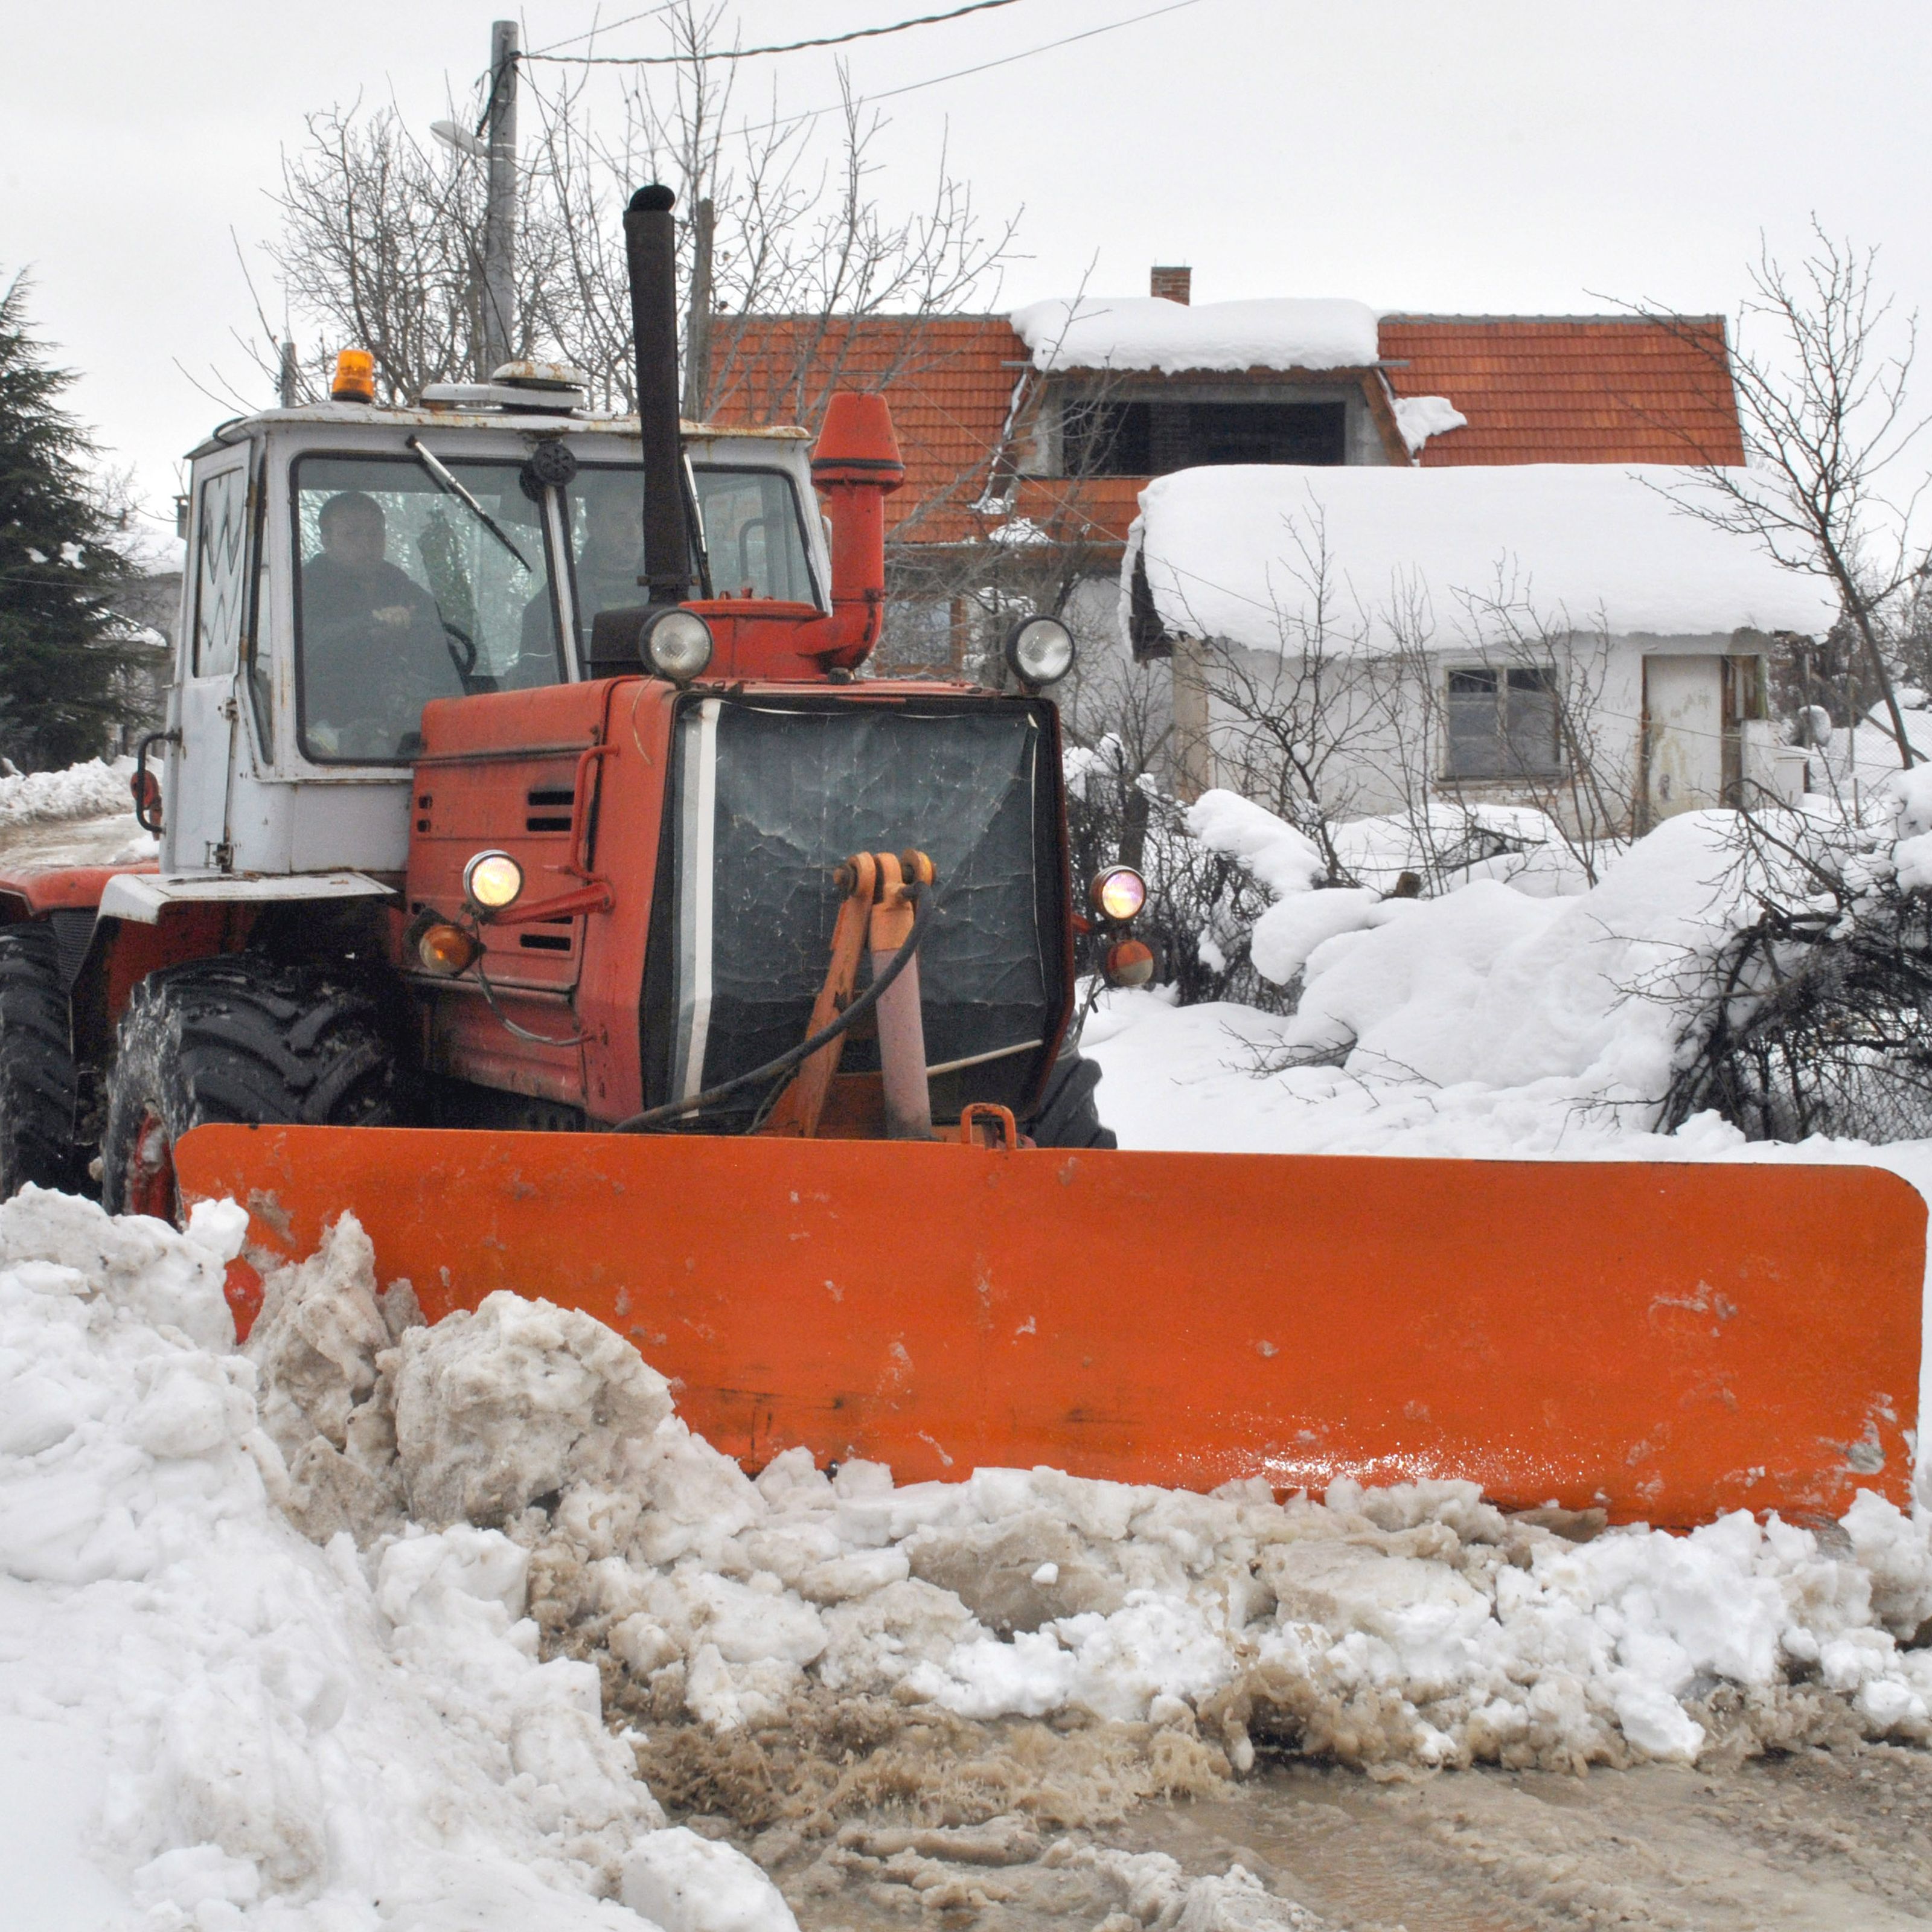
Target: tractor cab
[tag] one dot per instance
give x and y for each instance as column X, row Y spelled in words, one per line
column 349, row 564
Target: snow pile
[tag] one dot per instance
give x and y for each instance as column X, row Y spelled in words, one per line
column 90, row 790
column 1420, row 417
column 1229, row 553
column 1415, row 1623
column 1281, row 857
column 1488, row 985
column 1452, row 844
column 204, row 1719
column 1150, row 332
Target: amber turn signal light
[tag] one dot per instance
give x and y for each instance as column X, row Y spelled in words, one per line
column 355, row 377
column 1129, row 963
column 445, row 950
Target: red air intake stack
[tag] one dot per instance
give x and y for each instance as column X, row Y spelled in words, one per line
column 856, row 467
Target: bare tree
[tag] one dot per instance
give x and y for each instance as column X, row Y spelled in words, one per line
column 380, row 240
column 381, row 247
column 1824, row 412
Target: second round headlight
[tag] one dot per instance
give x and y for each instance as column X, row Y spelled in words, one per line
column 1040, row 650
column 677, row 644
column 492, row 880
column 1118, row 893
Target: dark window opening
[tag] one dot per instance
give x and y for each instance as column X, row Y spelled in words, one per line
column 1108, row 439
column 1217, row 432
column 1503, row 724
column 1151, row 439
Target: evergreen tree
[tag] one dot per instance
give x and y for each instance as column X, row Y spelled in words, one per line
column 67, row 657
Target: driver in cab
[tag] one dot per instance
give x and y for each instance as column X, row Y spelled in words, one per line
column 374, row 651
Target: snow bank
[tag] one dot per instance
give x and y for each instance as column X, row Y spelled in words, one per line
column 1448, row 845
column 1148, row 332
column 1415, row 1623
column 1228, row 553
column 90, row 790
column 205, row 1720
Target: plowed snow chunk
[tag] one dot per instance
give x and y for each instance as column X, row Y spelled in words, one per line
column 1153, row 1892
column 1894, row 1551
column 140, row 1269
column 689, row 1884
column 520, row 1399
column 317, row 1340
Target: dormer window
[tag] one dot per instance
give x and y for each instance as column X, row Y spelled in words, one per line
column 1109, row 436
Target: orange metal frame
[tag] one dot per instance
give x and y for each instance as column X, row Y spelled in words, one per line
column 1665, row 1341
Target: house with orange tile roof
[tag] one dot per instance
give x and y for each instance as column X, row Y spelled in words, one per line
column 1044, row 447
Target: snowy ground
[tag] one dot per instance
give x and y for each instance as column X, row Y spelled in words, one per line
column 78, row 816
column 376, row 1626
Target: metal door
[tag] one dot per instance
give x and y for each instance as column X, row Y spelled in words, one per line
column 208, row 684
column 1683, row 739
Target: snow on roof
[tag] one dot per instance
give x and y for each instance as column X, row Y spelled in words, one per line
column 1230, row 554
column 1150, row 332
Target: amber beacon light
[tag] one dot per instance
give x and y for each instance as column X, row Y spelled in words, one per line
column 355, row 377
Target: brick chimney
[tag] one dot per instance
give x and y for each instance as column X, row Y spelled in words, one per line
column 1175, row 285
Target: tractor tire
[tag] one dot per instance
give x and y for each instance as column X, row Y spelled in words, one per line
column 39, row 1091
column 237, row 1039
column 1069, row 1116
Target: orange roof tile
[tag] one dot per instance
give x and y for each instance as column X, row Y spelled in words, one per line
column 1570, row 389
column 950, row 381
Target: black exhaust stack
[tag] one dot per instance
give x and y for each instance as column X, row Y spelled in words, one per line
column 650, row 245
column 650, row 248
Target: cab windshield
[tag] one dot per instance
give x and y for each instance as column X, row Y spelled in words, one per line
column 753, row 541
column 403, row 594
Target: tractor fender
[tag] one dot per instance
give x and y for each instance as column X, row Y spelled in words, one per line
column 143, row 920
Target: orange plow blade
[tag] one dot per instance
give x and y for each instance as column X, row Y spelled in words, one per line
column 1664, row 1341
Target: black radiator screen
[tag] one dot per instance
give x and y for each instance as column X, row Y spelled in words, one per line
column 772, row 798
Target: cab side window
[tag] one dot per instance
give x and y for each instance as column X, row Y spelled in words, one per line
column 220, row 583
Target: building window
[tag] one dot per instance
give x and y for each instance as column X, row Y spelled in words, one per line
column 1502, row 724
column 1746, row 699
column 1104, row 438
column 1107, row 438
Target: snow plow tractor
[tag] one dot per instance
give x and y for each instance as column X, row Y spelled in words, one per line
column 541, row 881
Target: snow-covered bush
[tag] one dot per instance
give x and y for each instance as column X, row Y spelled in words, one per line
column 1818, row 1016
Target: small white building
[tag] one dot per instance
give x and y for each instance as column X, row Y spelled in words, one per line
column 1563, row 635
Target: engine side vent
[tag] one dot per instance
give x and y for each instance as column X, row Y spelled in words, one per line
column 549, row 809
column 544, row 942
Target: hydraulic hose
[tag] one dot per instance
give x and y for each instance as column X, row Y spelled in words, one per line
column 926, row 910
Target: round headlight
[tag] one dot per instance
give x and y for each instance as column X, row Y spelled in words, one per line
column 492, row 880
column 1040, row 650
column 1118, row 893
column 677, row 645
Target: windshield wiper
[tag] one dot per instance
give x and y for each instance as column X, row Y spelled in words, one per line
column 444, row 481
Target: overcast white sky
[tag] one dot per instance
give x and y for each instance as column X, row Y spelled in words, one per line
column 1496, row 155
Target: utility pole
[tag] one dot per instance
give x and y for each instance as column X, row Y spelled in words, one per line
column 697, row 317
column 499, row 219
column 288, row 374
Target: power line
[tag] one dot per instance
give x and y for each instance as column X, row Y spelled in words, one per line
column 1045, row 46
column 750, row 53
column 607, row 27
column 958, row 74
